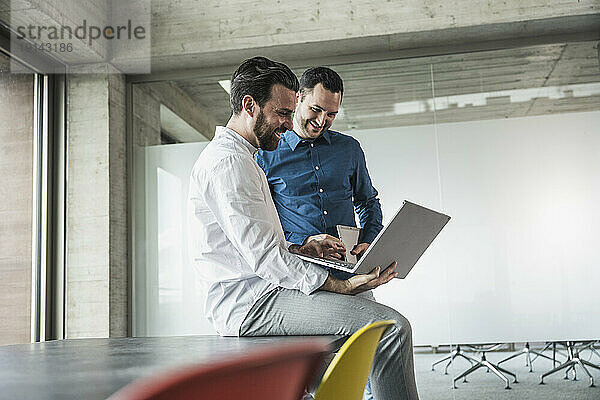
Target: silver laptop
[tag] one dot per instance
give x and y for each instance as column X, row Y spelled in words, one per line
column 404, row 240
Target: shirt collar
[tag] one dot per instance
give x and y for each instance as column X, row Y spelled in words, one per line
column 293, row 139
column 224, row 132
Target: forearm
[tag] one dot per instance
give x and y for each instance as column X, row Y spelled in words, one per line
column 360, row 283
column 366, row 202
column 370, row 220
column 335, row 285
column 369, row 232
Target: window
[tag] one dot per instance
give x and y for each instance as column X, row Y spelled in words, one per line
column 168, row 139
column 32, row 196
column 505, row 141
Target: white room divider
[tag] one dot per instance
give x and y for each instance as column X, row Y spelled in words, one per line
column 519, row 260
column 168, row 298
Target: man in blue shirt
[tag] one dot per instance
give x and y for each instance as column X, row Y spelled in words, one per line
column 318, row 177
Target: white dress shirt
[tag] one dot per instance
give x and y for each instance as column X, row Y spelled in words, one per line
column 237, row 243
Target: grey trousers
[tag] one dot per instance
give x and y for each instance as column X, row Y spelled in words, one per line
column 290, row 312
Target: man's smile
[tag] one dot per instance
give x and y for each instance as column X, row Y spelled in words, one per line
column 315, row 126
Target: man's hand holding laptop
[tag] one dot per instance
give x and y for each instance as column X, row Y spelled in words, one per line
column 327, row 246
column 361, row 283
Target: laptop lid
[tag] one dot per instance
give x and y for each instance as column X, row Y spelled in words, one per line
column 403, row 240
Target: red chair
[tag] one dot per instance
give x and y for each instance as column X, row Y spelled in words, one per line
column 279, row 372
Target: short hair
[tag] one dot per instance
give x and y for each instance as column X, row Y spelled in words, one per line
column 323, row 75
column 255, row 77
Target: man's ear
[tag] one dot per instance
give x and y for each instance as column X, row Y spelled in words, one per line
column 248, row 104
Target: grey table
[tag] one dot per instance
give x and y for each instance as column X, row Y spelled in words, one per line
column 96, row 368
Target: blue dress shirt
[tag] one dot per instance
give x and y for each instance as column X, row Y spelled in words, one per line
column 318, row 184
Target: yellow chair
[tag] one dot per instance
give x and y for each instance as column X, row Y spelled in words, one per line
column 346, row 376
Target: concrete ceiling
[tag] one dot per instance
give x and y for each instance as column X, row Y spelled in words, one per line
column 213, row 33
column 507, row 83
column 192, row 34
column 177, row 128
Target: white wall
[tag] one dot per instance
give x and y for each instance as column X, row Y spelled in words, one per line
column 519, row 260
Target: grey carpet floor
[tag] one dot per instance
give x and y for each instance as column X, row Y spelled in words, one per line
column 434, row 385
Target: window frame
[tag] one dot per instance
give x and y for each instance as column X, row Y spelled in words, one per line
column 49, row 175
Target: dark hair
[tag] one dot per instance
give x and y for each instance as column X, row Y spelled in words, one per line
column 323, row 75
column 255, row 77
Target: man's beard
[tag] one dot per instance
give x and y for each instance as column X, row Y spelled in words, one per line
column 266, row 136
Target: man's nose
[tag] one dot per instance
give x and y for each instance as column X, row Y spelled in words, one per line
column 321, row 119
column 288, row 124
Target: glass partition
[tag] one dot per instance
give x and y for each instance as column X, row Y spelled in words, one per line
column 388, row 107
column 507, row 145
column 519, row 139
column 504, row 141
column 167, row 141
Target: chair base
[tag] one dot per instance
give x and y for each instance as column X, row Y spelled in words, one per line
column 527, row 352
column 554, row 353
column 457, row 352
column 569, row 365
column 592, row 348
column 497, row 370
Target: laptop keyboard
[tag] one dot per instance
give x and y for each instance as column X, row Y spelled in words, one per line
column 338, row 264
column 343, row 264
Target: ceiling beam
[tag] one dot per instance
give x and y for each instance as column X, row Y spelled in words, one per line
column 423, row 44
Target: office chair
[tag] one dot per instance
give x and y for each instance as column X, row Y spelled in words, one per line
column 555, row 351
column 592, row 348
column 495, row 368
column 573, row 360
column 279, row 372
column 346, row 376
column 454, row 353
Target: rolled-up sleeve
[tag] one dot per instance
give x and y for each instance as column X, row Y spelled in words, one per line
column 235, row 195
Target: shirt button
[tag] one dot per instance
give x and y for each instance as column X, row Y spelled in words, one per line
column 312, row 145
column 317, row 167
column 325, row 212
column 320, row 190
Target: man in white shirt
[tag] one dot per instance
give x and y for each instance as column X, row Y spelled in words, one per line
column 255, row 284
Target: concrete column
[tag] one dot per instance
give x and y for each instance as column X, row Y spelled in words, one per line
column 16, row 196
column 146, row 117
column 96, row 275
